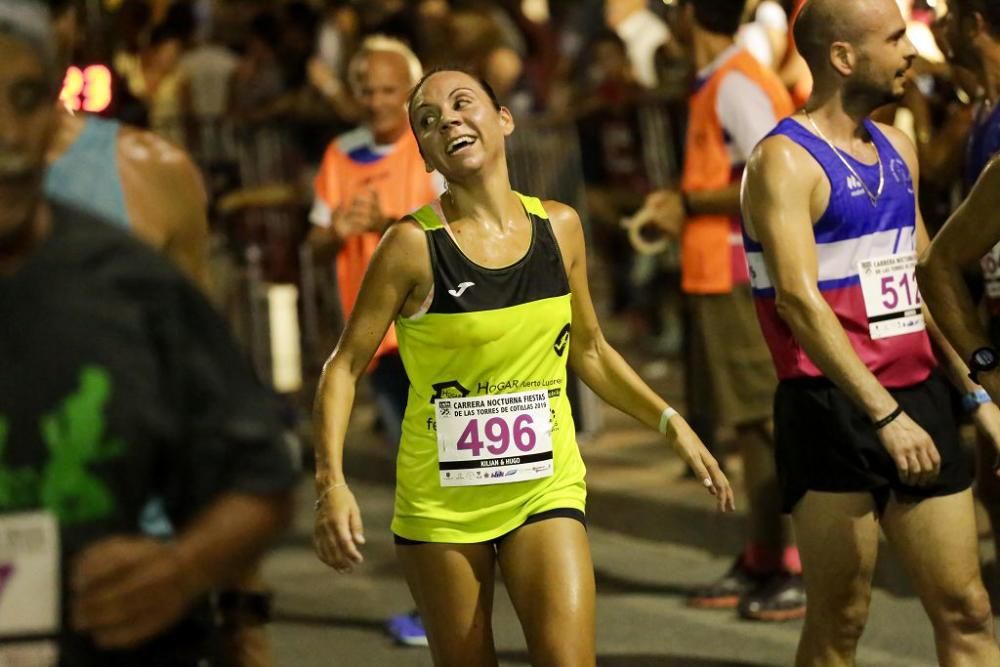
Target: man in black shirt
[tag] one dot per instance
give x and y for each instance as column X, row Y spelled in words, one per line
column 118, row 383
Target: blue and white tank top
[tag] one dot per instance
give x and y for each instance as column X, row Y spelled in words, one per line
column 867, row 256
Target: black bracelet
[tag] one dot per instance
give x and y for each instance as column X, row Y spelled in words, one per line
column 885, row 421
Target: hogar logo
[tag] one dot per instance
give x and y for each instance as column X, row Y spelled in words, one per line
column 449, row 389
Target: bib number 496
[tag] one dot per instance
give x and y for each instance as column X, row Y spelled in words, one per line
column 495, row 439
column 499, row 435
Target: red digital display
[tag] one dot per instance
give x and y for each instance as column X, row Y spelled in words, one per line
column 87, row 89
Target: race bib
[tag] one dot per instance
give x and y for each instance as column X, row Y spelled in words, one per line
column 892, row 298
column 30, row 589
column 991, row 272
column 495, row 439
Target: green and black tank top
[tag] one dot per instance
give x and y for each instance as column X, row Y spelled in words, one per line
column 499, row 338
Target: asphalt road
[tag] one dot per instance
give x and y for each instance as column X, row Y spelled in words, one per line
column 652, row 537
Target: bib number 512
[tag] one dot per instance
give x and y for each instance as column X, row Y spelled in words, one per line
column 500, row 436
column 893, row 287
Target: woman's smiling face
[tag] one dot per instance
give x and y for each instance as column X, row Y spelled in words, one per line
column 457, row 124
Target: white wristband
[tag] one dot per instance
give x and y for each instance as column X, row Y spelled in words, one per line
column 668, row 412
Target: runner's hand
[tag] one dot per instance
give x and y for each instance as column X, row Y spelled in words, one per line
column 128, row 590
column 339, row 533
column 690, row 448
column 912, row 450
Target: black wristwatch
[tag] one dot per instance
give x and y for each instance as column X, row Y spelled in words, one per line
column 983, row 360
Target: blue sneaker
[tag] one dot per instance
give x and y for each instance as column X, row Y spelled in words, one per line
column 407, row 629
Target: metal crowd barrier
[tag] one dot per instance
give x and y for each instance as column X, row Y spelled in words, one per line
column 250, row 174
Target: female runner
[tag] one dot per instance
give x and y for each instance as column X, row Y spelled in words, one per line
column 488, row 290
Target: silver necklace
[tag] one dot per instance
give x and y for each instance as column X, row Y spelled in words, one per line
column 881, row 173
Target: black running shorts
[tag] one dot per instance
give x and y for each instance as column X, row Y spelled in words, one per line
column 823, row 442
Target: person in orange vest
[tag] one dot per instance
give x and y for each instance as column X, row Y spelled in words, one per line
column 735, row 103
column 369, row 177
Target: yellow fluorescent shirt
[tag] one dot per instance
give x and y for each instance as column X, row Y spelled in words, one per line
column 487, row 333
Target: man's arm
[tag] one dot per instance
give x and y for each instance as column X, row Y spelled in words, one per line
column 166, row 201
column 986, row 415
column 714, row 202
column 969, row 234
column 776, row 205
column 779, row 185
column 226, row 477
column 130, row 589
column 187, row 245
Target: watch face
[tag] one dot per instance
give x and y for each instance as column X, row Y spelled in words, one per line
column 985, row 358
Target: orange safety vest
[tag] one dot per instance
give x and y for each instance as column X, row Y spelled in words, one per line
column 707, row 246
column 403, row 185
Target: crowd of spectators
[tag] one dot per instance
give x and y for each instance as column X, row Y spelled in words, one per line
column 256, row 90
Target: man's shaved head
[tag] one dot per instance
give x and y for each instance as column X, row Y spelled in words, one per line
column 858, row 49
column 821, row 23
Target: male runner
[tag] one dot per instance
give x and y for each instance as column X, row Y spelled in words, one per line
column 736, row 102
column 864, row 431
column 971, row 31
column 972, row 40
column 119, row 383
column 970, row 233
